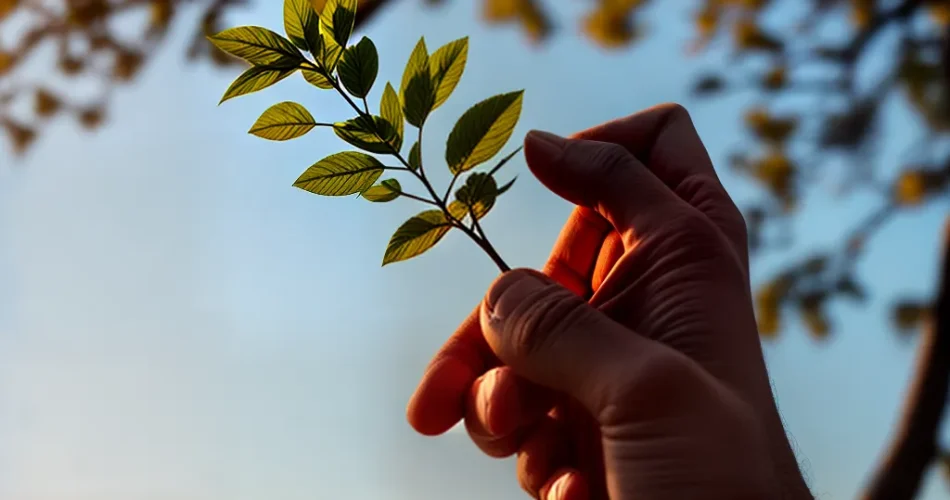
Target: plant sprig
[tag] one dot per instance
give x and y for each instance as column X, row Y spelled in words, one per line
column 351, row 70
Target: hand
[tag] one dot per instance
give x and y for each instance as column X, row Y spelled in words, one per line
column 631, row 368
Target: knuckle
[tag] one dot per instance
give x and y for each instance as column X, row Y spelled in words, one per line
column 541, row 321
column 695, row 238
column 606, row 155
column 710, row 197
column 693, row 227
column 676, row 111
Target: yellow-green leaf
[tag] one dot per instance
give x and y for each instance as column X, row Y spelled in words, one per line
column 316, row 79
column 369, row 133
column 391, row 111
column 330, row 53
column 341, row 174
column 254, row 79
column 416, row 91
column 337, row 19
column 482, row 131
column 283, row 121
column 416, row 235
column 387, row 190
column 358, row 67
column 8, row 6
column 478, row 194
column 505, row 160
column 301, row 23
column 506, row 186
column 415, row 156
column 447, row 65
column 258, row 46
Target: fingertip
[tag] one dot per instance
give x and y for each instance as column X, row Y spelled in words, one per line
column 438, row 402
column 511, row 286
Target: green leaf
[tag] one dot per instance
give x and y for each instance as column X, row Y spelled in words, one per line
column 482, row 131
column 341, row 174
column 415, row 157
column 330, row 54
column 254, row 79
column 315, row 39
column 370, row 133
column 300, row 23
column 458, row 210
column 258, row 46
column 478, row 194
column 337, row 19
column 316, row 79
column 416, row 235
column 388, row 190
column 283, row 121
column 391, row 111
column 358, row 67
column 506, row 186
column 505, row 160
column 447, row 65
column 416, row 91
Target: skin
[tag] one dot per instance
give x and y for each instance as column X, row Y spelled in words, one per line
column 630, row 367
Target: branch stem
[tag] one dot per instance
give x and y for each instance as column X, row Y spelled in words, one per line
column 475, row 233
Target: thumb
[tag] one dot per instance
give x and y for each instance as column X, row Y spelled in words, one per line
column 552, row 337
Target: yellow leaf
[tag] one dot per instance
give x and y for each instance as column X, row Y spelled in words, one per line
column 940, row 13
column 341, row 174
column 610, row 27
column 91, row 118
column 911, row 187
column 21, row 135
column 6, row 62
column 416, row 235
column 387, row 190
column 775, row 79
column 7, row 7
column 500, row 10
column 160, row 13
column 283, row 121
column 707, row 20
column 861, row 12
column 46, row 103
column 482, row 131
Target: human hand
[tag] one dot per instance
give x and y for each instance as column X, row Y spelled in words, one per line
column 631, row 368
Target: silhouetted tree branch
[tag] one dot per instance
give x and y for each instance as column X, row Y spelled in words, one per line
column 915, row 444
column 915, row 447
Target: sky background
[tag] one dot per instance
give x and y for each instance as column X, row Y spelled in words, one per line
column 178, row 322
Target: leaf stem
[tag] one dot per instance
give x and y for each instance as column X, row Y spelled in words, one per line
column 448, row 192
column 365, row 105
column 417, row 198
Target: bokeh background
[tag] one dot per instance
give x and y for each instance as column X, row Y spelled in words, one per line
column 178, row 322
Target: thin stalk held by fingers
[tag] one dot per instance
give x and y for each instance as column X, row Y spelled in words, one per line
column 350, row 69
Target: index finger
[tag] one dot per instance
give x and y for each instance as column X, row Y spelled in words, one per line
column 665, row 140
column 439, row 401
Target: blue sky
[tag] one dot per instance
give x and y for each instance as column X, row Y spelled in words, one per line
column 178, row 322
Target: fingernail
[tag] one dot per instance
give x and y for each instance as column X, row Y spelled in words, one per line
column 545, row 146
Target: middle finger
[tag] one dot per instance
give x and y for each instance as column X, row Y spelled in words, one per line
column 501, row 406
